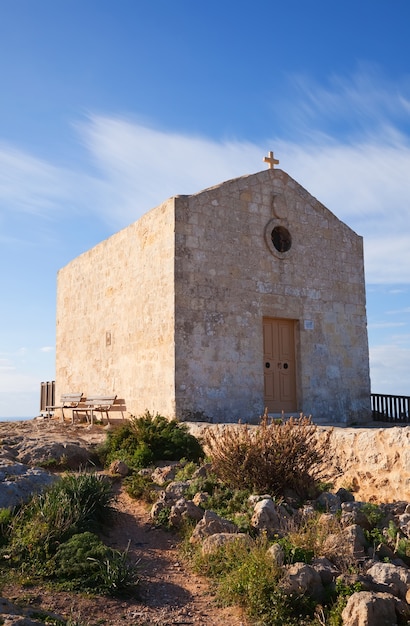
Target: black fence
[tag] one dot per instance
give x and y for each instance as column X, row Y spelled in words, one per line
column 387, row 408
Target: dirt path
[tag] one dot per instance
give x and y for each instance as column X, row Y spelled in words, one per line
column 169, row 594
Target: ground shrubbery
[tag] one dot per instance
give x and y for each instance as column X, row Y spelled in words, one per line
column 272, row 458
column 144, row 440
column 50, row 538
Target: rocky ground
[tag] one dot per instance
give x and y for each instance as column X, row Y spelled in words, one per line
column 168, row 592
column 374, row 462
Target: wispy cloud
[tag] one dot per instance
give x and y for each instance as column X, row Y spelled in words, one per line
column 390, row 365
column 361, row 176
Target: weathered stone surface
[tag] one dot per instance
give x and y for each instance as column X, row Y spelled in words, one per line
column 375, row 462
column 183, row 510
column 211, row 544
column 211, row 524
column 390, row 578
column 350, row 542
column 277, row 554
column 18, row 482
column 368, row 608
column 302, row 579
column 327, row 571
column 162, row 475
column 329, row 502
column 353, row 513
column 269, row 517
column 119, row 468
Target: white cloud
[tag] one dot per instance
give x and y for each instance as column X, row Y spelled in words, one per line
column 33, row 186
column 366, row 184
column 47, row 349
column 144, row 166
column 390, row 366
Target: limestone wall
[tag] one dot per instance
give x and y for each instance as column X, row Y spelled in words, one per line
column 168, row 313
column 229, row 276
column 115, row 317
column 374, row 462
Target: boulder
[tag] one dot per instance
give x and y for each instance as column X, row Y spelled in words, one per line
column 119, row 468
column 213, row 543
column 184, row 510
column 211, row 524
column 390, row 578
column 369, row 608
column 269, row 517
column 350, row 543
column 302, row 579
column 327, row 571
column 276, row 553
column 328, row 502
column 18, row 482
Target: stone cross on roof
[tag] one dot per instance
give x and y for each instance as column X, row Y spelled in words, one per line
column 271, row 160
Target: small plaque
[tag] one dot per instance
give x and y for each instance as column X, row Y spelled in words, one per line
column 309, row 325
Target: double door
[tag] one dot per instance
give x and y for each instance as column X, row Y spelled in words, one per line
column 279, row 365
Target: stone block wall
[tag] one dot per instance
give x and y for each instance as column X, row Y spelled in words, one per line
column 229, row 276
column 168, row 313
column 115, row 317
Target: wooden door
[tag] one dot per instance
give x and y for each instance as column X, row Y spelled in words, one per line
column 279, row 365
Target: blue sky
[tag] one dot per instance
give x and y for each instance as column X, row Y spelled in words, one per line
column 108, row 107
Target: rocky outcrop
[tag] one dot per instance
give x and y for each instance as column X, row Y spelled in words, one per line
column 374, row 463
column 347, row 545
column 18, row 482
column 27, row 449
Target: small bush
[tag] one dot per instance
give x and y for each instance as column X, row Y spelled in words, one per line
column 71, row 505
column 147, row 439
column 84, row 563
column 247, row 576
column 271, row 458
column 140, row 488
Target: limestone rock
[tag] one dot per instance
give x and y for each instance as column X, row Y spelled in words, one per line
column 211, row 524
column 269, row 517
column 390, row 578
column 277, row 554
column 119, row 468
column 18, row 482
column 183, row 510
column 212, row 543
column 327, row 571
column 369, row 608
column 349, row 543
column 302, row 579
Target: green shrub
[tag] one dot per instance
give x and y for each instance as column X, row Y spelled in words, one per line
column 270, row 458
column 73, row 504
column 140, row 488
column 144, row 440
column 84, row 563
column 247, row 576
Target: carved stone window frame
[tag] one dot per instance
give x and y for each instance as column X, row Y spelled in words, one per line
column 274, row 223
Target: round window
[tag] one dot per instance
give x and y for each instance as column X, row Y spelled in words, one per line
column 281, row 239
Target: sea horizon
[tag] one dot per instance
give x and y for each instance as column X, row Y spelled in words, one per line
column 15, row 419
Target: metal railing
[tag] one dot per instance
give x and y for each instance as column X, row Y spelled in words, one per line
column 387, row 408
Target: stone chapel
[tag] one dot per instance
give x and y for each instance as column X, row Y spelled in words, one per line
column 215, row 305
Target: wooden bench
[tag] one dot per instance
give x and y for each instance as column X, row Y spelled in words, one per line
column 101, row 404
column 67, row 401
